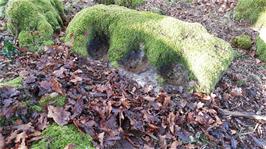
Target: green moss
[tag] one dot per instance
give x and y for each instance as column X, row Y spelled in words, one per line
column 54, row 100
column 36, row 108
column 17, row 82
column 261, row 49
column 241, row 82
column 166, row 39
column 126, row 3
column 242, row 41
column 34, row 21
column 160, row 80
column 58, row 137
column 249, row 10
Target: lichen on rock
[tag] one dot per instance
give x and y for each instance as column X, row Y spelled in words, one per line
column 166, row 40
column 34, row 21
column 58, row 137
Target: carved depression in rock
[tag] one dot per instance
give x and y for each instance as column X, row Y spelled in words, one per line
column 165, row 41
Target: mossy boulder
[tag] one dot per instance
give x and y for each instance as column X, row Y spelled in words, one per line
column 242, row 41
column 166, row 41
column 250, row 10
column 254, row 11
column 261, row 48
column 34, row 21
column 126, row 3
column 58, row 137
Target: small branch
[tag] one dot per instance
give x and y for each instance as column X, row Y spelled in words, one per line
column 242, row 114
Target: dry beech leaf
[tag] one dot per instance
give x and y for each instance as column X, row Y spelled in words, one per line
column 59, row 115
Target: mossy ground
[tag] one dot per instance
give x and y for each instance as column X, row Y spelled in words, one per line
column 58, row 101
column 17, row 82
column 34, row 21
column 166, row 40
column 58, row 137
column 242, row 41
column 54, row 100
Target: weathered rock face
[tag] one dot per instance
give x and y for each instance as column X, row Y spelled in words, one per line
column 34, row 21
column 255, row 12
column 166, row 41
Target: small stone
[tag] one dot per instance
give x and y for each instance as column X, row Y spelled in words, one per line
column 200, row 105
column 236, row 92
column 54, row 94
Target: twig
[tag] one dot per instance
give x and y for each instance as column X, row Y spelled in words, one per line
column 242, row 114
column 249, row 132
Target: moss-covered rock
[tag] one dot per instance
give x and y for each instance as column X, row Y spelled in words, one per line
column 261, row 48
column 16, row 82
column 34, row 21
column 255, row 12
column 166, row 40
column 242, row 41
column 58, row 137
column 250, row 10
column 126, row 3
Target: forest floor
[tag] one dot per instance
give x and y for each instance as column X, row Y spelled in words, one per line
column 117, row 113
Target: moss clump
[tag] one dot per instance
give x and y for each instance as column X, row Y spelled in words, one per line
column 250, row 10
column 17, row 82
column 166, row 40
column 261, row 48
column 242, row 41
column 126, row 3
column 31, row 106
column 58, row 137
column 55, row 100
column 34, row 21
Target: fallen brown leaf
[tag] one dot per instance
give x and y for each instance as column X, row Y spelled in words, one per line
column 59, row 115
